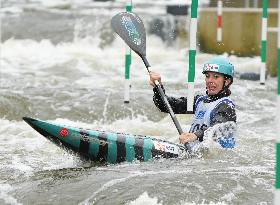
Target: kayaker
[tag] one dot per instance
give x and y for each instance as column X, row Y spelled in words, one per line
column 210, row 109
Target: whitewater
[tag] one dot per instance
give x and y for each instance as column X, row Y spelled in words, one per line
column 56, row 65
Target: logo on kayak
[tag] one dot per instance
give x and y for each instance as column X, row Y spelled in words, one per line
column 166, row 147
column 89, row 138
column 64, row 132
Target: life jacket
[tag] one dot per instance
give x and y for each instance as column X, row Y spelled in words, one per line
column 204, row 114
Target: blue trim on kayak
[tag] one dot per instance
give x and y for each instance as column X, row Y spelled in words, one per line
column 94, row 143
column 112, row 147
column 147, row 149
column 129, row 148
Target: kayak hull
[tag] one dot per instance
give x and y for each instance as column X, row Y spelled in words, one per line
column 104, row 146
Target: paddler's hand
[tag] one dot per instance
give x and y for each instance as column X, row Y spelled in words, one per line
column 153, row 77
column 187, row 137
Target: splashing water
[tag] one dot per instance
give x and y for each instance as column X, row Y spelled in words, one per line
column 221, row 130
column 214, row 139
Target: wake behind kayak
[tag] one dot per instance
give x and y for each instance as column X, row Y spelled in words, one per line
column 105, row 146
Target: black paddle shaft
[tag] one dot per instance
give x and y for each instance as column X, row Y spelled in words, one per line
column 130, row 28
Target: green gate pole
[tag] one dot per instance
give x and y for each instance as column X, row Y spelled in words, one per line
column 127, row 61
column 277, row 183
column 192, row 54
column 263, row 42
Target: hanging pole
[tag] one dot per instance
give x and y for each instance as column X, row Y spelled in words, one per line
column 192, row 54
column 255, row 4
column 127, row 85
column 264, row 42
column 247, row 3
column 277, row 183
column 219, row 21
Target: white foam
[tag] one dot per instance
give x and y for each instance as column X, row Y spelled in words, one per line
column 144, row 199
column 204, row 203
column 12, row 9
column 91, row 199
column 85, row 56
column 6, row 196
column 57, row 3
column 25, row 53
column 27, row 151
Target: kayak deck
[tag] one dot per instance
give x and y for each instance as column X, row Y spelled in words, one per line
column 105, row 146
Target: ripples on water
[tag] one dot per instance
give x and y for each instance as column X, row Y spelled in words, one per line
column 69, row 79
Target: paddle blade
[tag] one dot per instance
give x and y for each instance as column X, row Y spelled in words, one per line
column 130, row 28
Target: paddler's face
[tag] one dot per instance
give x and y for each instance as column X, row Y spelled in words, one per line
column 215, row 82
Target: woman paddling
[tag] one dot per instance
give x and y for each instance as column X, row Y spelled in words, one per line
column 211, row 109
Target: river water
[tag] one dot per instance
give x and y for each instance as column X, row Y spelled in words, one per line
column 66, row 66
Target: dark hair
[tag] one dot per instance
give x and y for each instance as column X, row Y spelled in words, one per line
column 229, row 77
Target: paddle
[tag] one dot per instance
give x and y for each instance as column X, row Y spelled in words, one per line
column 130, row 28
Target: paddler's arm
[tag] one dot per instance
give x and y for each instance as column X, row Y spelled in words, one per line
column 178, row 105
